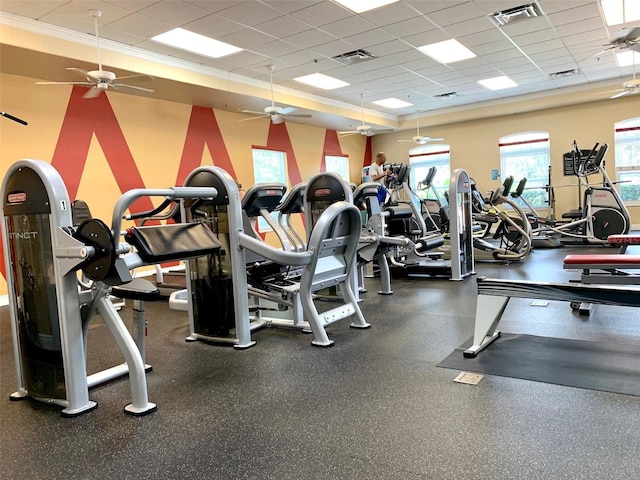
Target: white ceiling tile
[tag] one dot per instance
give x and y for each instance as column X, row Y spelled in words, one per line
column 475, row 25
column 30, row 9
column 209, row 5
column 247, row 38
column 371, row 37
column 275, row 48
column 333, row 48
column 249, row 13
column 349, row 26
column 408, row 27
column 391, row 14
column 213, row 26
column 174, row 12
column 544, row 46
column 310, row 38
column 141, row 25
column 320, row 14
column 455, row 14
column 282, row 26
column 534, row 37
column 426, row 38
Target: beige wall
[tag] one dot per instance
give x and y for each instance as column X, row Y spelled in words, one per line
column 154, row 131
column 474, row 144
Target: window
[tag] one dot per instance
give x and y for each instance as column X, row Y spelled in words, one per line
column 627, row 140
column 424, row 157
column 338, row 164
column 526, row 155
column 268, row 166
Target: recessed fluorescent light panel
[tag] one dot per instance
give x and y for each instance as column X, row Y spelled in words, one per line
column 448, row 51
column 614, row 13
column 497, row 83
column 324, row 82
column 195, row 43
column 392, row 103
column 626, row 59
column 359, row 6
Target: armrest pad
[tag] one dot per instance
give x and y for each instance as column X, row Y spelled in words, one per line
column 161, row 243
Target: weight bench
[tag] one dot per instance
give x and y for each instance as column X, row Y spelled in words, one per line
column 623, row 241
column 494, row 294
column 609, row 268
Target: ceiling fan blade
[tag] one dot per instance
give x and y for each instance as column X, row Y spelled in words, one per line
column 348, row 132
column 405, row 141
column 251, row 118
column 136, row 75
column 64, row 83
column 621, row 94
column 262, row 114
column 81, row 72
column 93, row 92
column 134, row 87
column 296, row 115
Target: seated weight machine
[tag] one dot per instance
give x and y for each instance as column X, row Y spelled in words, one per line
column 328, row 260
column 50, row 313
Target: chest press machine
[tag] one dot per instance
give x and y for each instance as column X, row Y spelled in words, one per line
column 50, row 309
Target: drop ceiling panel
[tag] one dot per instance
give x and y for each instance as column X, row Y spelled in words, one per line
column 323, row 13
column 174, row 12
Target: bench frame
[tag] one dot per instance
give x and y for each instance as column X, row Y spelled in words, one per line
column 494, row 295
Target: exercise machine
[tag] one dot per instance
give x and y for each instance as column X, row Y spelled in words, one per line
column 512, row 232
column 328, row 261
column 455, row 258
column 541, row 236
column 603, row 212
column 50, row 310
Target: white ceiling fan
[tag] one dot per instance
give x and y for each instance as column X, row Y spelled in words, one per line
column 364, row 129
column 420, row 139
column 276, row 114
column 630, row 86
column 626, row 38
column 100, row 80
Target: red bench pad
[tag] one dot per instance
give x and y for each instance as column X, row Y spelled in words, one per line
column 602, row 259
column 624, row 239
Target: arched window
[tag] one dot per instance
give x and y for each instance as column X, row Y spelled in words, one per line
column 526, row 155
column 424, row 157
column 627, row 139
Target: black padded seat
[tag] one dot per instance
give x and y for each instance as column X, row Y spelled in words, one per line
column 137, row 289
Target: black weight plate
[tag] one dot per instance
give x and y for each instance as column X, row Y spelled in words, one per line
column 95, row 233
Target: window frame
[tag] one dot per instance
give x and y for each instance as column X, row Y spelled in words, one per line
column 624, row 141
column 342, row 169
column 427, row 156
column 278, row 175
column 513, row 146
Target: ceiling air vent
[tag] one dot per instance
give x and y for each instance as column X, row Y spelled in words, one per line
column 446, row 95
column 357, row 56
column 564, row 73
column 516, row 14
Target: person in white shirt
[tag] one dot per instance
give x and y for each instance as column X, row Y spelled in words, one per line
column 377, row 171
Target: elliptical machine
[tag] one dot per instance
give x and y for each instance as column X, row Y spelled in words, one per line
column 512, row 232
column 603, row 212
